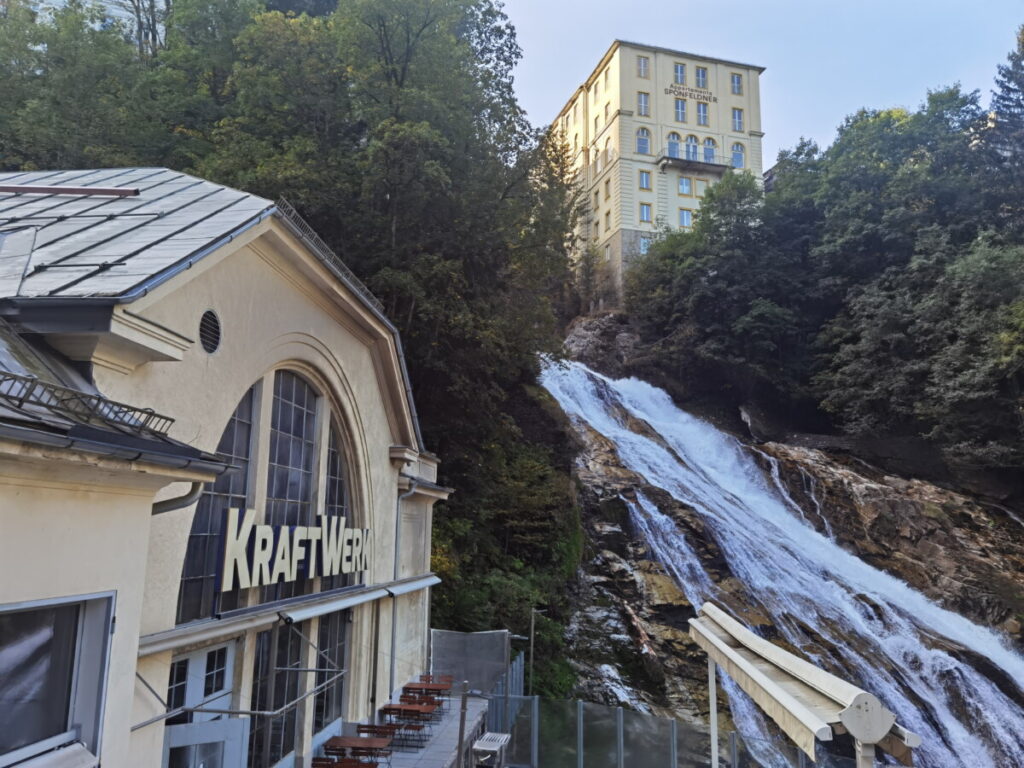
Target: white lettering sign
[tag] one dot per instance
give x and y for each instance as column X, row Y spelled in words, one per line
column 255, row 555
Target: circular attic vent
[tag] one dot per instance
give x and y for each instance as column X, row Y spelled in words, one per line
column 209, row 331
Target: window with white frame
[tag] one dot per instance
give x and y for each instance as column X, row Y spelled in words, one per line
column 332, row 641
column 643, row 66
column 680, row 110
column 674, row 144
column 645, row 179
column 645, row 245
column 606, row 108
column 737, row 120
column 700, row 186
column 702, row 113
column 607, row 222
column 53, row 670
column 685, row 218
column 607, row 189
column 691, row 148
column 643, row 141
column 685, row 185
column 709, row 150
column 679, row 74
column 737, row 83
column 738, row 156
column 645, row 212
column 643, row 104
column 702, row 77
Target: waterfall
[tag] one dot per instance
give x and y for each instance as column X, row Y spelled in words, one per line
column 865, row 626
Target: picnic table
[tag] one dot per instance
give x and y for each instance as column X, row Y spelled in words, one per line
column 416, row 710
column 357, row 742
column 427, row 688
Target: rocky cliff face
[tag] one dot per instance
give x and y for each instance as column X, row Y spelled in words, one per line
column 629, row 636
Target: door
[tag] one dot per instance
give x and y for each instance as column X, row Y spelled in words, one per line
column 204, row 739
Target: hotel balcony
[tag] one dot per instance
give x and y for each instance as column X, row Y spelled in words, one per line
column 697, row 158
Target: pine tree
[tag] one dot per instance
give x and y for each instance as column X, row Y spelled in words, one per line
column 1005, row 134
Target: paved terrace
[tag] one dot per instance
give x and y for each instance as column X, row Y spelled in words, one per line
column 442, row 749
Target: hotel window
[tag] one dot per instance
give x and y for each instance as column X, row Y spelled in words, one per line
column 645, row 179
column 702, row 113
column 700, row 186
column 691, row 148
column 643, row 67
column 680, row 110
column 679, row 74
column 332, row 641
column 685, row 218
column 737, row 83
column 575, row 112
column 607, row 189
column 607, row 222
column 685, row 185
column 738, row 156
column 737, row 120
column 597, row 123
column 608, row 252
column 606, row 108
column 597, row 200
column 674, row 143
column 643, row 104
column 643, row 141
column 645, row 245
column 53, row 659
column 702, row 77
column 709, row 150
column 607, row 73
column 576, row 143
column 645, row 212
column 304, row 444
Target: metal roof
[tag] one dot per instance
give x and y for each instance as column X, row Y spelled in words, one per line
column 75, row 245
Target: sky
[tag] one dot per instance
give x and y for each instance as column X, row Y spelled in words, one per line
column 825, row 59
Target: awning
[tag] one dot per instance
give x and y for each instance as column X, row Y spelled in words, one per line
column 413, row 586
column 324, row 607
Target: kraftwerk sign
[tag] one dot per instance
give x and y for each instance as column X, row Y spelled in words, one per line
column 686, row 92
column 267, row 554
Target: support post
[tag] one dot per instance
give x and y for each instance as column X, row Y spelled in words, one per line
column 506, row 714
column 533, row 619
column 579, row 735
column 713, row 703
column 673, row 744
column 620, row 738
column 462, row 723
column 734, row 750
column 865, row 755
column 535, row 734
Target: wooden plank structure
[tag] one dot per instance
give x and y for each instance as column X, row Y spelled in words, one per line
column 806, row 702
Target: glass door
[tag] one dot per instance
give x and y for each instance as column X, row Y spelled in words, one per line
column 204, row 739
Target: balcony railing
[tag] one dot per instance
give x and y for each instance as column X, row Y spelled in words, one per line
column 694, row 157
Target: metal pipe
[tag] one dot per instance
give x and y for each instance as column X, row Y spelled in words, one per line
column 462, row 722
column 713, row 703
column 180, row 502
column 22, row 189
column 413, row 485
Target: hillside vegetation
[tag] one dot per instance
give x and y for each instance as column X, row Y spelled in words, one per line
column 392, row 126
column 880, row 283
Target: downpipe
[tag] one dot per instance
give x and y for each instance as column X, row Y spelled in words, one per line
column 394, row 598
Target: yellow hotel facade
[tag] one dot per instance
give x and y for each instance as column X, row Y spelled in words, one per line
column 649, row 131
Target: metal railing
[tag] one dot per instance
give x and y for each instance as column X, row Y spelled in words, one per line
column 319, row 247
column 29, row 394
column 685, row 153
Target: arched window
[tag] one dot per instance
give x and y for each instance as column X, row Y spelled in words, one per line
column 691, row 147
column 709, row 150
column 643, row 142
column 738, row 159
column 673, row 144
column 300, row 423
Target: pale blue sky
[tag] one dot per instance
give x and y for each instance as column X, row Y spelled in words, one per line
column 825, row 58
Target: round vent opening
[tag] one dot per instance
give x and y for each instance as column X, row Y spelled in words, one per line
column 209, row 331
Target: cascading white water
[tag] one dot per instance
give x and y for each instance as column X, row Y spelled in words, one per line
column 870, row 627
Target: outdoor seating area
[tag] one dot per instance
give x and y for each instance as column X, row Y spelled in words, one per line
column 406, row 725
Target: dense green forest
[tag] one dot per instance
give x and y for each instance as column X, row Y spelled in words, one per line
column 392, row 126
column 878, row 287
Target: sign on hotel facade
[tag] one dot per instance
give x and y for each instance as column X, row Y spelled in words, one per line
column 240, row 565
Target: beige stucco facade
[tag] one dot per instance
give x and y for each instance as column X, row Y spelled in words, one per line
column 634, row 190
column 73, row 525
